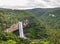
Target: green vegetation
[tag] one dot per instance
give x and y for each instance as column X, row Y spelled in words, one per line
column 50, row 16
column 51, row 19
column 42, row 29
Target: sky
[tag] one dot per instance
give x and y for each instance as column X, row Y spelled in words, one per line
column 29, row 4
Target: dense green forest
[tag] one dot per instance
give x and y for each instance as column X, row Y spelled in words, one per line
column 44, row 26
column 50, row 16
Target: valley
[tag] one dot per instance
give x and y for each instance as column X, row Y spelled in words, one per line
column 43, row 26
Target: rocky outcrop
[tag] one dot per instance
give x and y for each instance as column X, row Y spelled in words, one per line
column 14, row 27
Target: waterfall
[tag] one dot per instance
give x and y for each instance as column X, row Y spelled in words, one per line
column 21, row 33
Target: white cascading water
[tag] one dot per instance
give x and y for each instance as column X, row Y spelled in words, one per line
column 21, row 33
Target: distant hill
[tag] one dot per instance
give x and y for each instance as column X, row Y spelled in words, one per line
column 50, row 16
column 40, row 11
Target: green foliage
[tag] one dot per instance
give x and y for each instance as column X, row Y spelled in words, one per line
column 10, row 38
column 50, row 16
column 31, row 33
column 40, row 42
column 9, row 17
column 10, row 42
column 36, row 29
column 45, row 28
column 51, row 23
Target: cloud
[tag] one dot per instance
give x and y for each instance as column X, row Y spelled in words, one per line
column 28, row 4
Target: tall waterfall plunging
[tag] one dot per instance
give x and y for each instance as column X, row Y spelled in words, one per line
column 21, row 33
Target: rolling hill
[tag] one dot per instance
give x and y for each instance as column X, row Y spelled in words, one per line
column 50, row 16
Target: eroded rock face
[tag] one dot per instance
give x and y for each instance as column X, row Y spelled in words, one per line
column 14, row 27
column 25, row 23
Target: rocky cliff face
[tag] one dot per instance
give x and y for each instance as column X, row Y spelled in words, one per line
column 14, row 27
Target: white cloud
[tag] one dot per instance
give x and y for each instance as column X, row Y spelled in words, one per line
column 27, row 4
